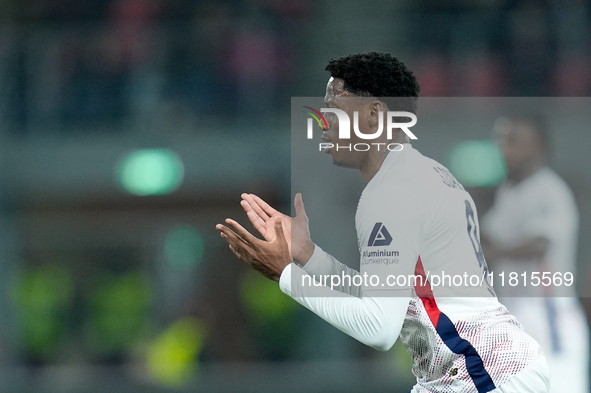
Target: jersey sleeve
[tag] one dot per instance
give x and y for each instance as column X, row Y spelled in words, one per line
column 322, row 265
column 367, row 306
column 374, row 321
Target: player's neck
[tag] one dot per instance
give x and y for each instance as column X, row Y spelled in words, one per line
column 372, row 164
column 526, row 173
column 376, row 157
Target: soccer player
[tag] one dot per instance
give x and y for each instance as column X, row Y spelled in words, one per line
column 532, row 226
column 413, row 219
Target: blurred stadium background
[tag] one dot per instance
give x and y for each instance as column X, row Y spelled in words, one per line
column 129, row 128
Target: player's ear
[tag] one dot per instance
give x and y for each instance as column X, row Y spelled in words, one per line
column 376, row 109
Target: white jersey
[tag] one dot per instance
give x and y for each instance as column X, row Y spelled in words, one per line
column 539, row 206
column 415, row 219
column 542, row 205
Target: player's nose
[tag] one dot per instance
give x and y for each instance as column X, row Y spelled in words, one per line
column 330, row 119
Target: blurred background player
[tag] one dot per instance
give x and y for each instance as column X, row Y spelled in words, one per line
column 532, row 226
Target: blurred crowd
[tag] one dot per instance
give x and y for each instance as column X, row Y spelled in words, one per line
column 83, row 63
column 504, row 48
column 77, row 64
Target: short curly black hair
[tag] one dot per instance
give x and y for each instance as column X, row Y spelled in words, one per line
column 380, row 75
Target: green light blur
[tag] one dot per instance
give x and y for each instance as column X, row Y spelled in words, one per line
column 119, row 310
column 171, row 359
column 183, row 247
column 477, row 163
column 150, row 172
column 43, row 296
column 264, row 300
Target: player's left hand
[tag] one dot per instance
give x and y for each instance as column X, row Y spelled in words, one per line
column 267, row 257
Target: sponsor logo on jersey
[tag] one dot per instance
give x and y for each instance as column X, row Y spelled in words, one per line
column 379, row 236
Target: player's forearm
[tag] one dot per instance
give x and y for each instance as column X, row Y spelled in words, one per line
column 374, row 321
column 322, row 265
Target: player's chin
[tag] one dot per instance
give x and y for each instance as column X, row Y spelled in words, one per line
column 343, row 163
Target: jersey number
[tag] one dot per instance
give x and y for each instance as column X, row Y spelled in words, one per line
column 473, row 235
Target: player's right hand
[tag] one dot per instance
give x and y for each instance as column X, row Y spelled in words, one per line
column 296, row 229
